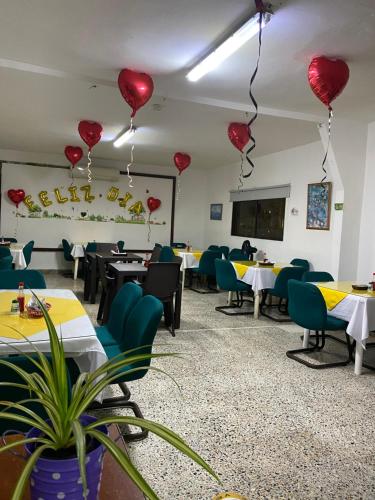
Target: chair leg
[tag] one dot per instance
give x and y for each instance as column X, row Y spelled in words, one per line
column 102, row 302
column 208, row 289
column 237, row 304
column 172, row 318
column 269, row 316
column 293, row 354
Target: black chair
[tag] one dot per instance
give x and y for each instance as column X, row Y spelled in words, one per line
column 162, row 281
column 248, row 249
column 178, row 245
column 108, row 291
column 155, row 256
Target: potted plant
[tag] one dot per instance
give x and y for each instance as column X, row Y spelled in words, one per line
column 65, row 451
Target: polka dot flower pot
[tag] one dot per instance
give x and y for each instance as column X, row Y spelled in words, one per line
column 60, row 479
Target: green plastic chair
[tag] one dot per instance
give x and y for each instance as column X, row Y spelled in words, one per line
column 226, row 279
column 4, row 252
column 237, row 254
column 207, row 269
column 280, row 290
column 121, row 245
column 213, row 247
column 317, row 276
column 301, row 263
column 123, row 303
column 67, row 248
column 158, row 245
column 12, row 240
column 9, row 280
column 308, row 309
column 6, row 263
column 166, row 254
column 139, row 333
column 91, row 246
column 224, row 250
column 27, row 251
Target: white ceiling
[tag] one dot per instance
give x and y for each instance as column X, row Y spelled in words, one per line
column 52, row 52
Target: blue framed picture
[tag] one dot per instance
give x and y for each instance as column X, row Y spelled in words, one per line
column 319, row 206
column 216, row 211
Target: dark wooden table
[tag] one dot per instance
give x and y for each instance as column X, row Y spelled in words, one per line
column 115, row 485
column 122, row 271
column 91, row 274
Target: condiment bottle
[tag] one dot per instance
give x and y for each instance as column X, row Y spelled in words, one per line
column 21, row 298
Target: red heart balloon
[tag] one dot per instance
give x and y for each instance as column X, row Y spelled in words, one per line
column 90, row 132
column 136, row 88
column 239, row 135
column 182, row 161
column 16, row 196
column 73, row 154
column 327, row 78
column 153, row 203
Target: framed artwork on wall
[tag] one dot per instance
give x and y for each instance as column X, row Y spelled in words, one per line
column 216, row 211
column 319, row 206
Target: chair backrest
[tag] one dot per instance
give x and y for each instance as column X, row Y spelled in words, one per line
column 123, row 303
column 301, row 263
column 27, row 251
column 224, row 250
column 306, row 305
column 9, row 280
column 213, row 247
column 317, row 276
column 6, row 263
column 4, row 252
column 5, row 238
column 105, row 247
column 207, row 262
column 158, row 245
column 140, row 329
column 155, row 254
column 91, row 246
column 178, row 245
column 121, row 245
column 67, row 250
column 237, row 254
column 162, row 279
column 166, row 254
column 286, row 274
column 102, row 271
column 226, row 277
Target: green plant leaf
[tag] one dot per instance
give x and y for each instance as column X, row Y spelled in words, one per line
column 22, row 480
column 80, row 442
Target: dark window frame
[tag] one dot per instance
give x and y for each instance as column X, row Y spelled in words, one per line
column 278, row 234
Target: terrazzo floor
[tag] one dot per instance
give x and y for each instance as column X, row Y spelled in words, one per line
column 270, row 427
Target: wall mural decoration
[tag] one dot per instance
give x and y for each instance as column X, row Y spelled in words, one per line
column 319, row 206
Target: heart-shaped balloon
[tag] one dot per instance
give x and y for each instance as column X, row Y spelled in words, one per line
column 73, row 154
column 16, row 196
column 182, row 161
column 153, row 203
column 239, row 135
column 90, row 132
column 136, row 88
column 327, row 78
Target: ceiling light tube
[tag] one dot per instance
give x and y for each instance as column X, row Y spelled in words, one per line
column 228, row 47
column 124, row 137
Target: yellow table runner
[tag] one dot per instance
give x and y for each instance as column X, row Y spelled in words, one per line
column 241, row 269
column 332, row 297
column 62, row 310
column 334, row 292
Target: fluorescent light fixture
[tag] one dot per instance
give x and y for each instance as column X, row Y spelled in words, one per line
column 228, row 47
column 81, row 168
column 124, row 137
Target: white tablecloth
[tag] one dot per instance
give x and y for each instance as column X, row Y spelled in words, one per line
column 79, row 336
column 188, row 260
column 259, row 278
column 18, row 256
column 78, row 250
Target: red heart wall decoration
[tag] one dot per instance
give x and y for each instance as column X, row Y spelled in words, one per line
column 16, row 196
column 90, row 132
column 182, row 161
column 136, row 88
column 239, row 135
column 153, row 203
column 327, row 78
column 73, row 154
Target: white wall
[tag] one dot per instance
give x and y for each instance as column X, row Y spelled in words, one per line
column 298, row 166
column 189, row 209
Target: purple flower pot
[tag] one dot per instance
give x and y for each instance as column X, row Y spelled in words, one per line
column 61, row 479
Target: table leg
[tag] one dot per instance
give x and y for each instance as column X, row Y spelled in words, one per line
column 177, row 307
column 183, row 278
column 76, row 263
column 358, row 358
column 230, row 298
column 306, row 338
column 256, row 304
column 93, row 281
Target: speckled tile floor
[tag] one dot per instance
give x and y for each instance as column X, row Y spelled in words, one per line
column 270, row 427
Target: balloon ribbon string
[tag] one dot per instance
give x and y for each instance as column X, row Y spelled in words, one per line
column 330, row 116
column 149, row 228
column 130, row 165
column 253, row 100
column 178, row 187
column 89, row 173
column 240, row 181
column 72, row 172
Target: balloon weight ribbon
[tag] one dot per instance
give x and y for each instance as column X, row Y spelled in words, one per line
column 330, row 116
column 130, row 165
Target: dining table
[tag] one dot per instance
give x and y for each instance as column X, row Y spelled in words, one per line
column 357, row 307
column 126, row 271
column 77, row 252
column 189, row 260
column 91, row 269
column 16, row 251
column 258, row 276
column 70, row 319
